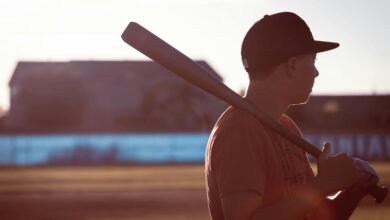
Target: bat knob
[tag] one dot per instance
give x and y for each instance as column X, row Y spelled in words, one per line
column 379, row 193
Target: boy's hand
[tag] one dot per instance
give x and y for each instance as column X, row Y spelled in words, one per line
column 338, row 172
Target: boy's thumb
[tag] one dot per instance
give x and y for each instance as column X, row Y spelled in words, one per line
column 325, row 151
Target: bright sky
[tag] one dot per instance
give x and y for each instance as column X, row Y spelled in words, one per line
column 62, row 30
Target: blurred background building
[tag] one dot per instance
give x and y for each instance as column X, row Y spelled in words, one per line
column 106, row 97
column 357, row 125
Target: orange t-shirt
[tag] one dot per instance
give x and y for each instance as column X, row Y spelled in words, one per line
column 244, row 155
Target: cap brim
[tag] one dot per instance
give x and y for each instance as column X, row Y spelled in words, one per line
column 321, row 46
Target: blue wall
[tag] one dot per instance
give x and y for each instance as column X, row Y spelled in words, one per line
column 142, row 148
column 154, row 148
column 373, row 147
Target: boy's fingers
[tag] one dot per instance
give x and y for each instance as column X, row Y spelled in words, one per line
column 325, row 151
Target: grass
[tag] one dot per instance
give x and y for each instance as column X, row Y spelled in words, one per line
column 371, row 213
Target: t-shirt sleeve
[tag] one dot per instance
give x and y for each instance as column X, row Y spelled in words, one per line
column 239, row 162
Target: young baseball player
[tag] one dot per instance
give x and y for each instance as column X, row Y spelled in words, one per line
column 254, row 173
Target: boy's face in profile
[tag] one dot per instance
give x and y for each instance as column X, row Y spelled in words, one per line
column 305, row 73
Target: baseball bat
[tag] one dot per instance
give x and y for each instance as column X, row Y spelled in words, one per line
column 161, row 52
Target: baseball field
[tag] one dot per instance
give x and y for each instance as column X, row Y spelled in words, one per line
column 123, row 192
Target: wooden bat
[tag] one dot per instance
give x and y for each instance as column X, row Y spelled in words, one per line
column 161, row 52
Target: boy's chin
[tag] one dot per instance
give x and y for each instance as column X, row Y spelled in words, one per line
column 301, row 101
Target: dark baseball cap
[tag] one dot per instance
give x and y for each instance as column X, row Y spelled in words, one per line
column 275, row 38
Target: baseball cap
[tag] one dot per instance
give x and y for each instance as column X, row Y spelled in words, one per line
column 275, row 38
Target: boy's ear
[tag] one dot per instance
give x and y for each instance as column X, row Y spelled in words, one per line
column 291, row 66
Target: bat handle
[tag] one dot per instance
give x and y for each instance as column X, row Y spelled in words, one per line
column 379, row 193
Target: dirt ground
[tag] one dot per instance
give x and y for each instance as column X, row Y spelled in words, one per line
column 118, row 193
column 103, row 193
column 169, row 204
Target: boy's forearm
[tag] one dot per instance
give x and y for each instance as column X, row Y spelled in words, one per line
column 304, row 201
